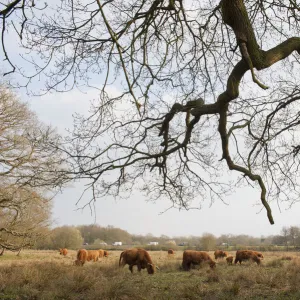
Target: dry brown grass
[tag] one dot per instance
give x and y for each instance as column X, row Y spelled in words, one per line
column 47, row 275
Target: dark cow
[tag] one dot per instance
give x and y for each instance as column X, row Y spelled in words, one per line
column 82, row 256
column 63, row 251
column 170, row 251
column 220, row 254
column 242, row 255
column 229, row 260
column 196, row 258
column 137, row 257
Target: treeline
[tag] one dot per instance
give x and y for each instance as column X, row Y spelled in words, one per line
column 96, row 236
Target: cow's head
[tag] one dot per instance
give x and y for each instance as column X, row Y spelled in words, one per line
column 260, row 255
column 105, row 253
column 212, row 264
column 151, row 268
column 78, row 262
column 256, row 259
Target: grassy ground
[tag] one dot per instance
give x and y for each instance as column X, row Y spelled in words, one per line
column 47, row 275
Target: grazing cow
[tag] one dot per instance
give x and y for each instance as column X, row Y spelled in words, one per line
column 137, row 257
column 92, row 255
column 63, row 251
column 196, row 258
column 242, row 255
column 170, row 251
column 102, row 253
column 220, row 254
column 259, row 254
column 82, row 256
column 229, row 260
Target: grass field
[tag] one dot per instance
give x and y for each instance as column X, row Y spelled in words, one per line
column 47, row 275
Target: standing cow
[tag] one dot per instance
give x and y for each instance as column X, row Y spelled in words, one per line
column 191, row 257
column 102, row 253
column 82, row 256
column 242, row 255
column 93, row 255
column 229, row 260
column 137, row 257
column 63, row 251
column 220, row 254
column 259, row 254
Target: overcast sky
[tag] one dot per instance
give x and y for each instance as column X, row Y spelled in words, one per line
column 240, row 215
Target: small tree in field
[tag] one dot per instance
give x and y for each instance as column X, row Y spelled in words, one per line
column 66, row 237
column 187, row 109
column 208, row 242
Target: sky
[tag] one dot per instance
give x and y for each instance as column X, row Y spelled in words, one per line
column 241, row 214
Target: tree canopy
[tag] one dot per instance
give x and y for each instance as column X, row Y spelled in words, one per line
column 185, row 110
column 30, row 173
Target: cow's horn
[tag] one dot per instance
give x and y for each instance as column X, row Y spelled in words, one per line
column 157, row 268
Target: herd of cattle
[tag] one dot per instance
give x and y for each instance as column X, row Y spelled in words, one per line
column 141, row 258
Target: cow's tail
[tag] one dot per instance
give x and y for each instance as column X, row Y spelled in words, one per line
column 121, row 256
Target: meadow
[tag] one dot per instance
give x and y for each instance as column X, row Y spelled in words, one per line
column 47, row 275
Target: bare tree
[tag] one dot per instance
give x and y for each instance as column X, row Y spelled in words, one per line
column 26, row 155
column 24, row 215
column 186, row 109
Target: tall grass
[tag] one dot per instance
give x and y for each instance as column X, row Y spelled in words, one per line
column 47, row 275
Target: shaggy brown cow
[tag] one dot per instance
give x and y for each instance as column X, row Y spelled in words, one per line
column 63, row 251
column 259, row 254
column 170, row 251
column 102, row 253
column 82, row 255
column 196, row 258
column 242, row 255
column 137, row 257
column 93, row 255
column 229, row 260
column 220, row 254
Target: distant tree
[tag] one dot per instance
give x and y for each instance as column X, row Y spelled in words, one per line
column 109, row 234
column 294, row 233
column 208, row 241
column 66, row 237
column 278, row 240
column 170, row 243
column 285, row 235
column 98, row 242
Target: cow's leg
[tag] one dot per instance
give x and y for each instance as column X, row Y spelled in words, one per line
column 139, row 266
column 131, row 268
